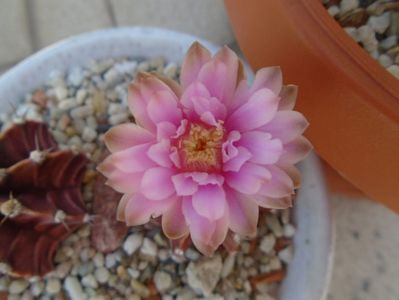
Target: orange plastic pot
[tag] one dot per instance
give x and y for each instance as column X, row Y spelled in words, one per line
column 352, row 103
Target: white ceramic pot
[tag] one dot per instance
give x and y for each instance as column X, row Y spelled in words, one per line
column 309, row 272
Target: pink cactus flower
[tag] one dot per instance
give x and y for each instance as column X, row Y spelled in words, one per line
column 206, row 154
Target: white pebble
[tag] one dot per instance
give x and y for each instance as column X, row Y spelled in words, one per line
column 82, row 111
column 75, row 76
column 81, row 96
column 394, row 70
column 98, row 260
column 90, row 281
column 118, row 118
column 18, row 286
column 352, row 32
column 149, row 248
column 347, row 5
column 4, row 283
column 67, row 104
column 289, row 230
column 102, row 275
column 389, row 42
column 132, row 243
column 367, row 37
column 74, row 289
column 274, row 225
column 37, row 288
column 61, row 92
column 53, row 286
column 267, row 243
column 163, row 281
column 286, row 254
column 228, row 265
column 380, row 23
column 89, row 134
column 112, row 77
column 333, row 10
column 128, row 67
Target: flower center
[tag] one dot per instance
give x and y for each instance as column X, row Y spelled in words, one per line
column 200, row 148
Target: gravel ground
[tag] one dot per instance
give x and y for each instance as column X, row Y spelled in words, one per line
column 79, row 107
column 374, row 25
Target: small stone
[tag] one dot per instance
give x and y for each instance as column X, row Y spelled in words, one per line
column 367, row 37
column 102, row 275
column 394, row 70
column 67, row 104
column 37, row 288
column 127, row 67
column 380, row 23
column 110, row 260
column 139, row 288
column 81, row 112
column 98, row 260
column 203, row 276
column 90, row 281
column 228, row 265
column 191, row 254
column 347, row 5
column 18, row 286
column 81, row 96
column 275, row 264
column 61, row 92
column 286, row 254
column 274, row 225
column 74, row 289
column 53, row 286
column 352, row 32
column 132, row 243
column 289, row 230
column 149, row 248
column 75, row 76
column 118, row 118
column 333, row 10
column 267, row 243
column 389, row 42
column 4, row 283
column 170, row 70
column 112, row 77
column 89, row 134
column 163, row 281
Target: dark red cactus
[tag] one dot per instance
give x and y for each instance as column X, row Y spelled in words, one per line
column 40, row 199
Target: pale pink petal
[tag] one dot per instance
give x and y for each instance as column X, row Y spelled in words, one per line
column 249, row 180
column 273, row 203
column 220, row 74
column 229, row 150
column 280, row 185
column 286, row 125
column 175, row 157
column 243, row 213
column 163, row 107
column 139, row 209
column 201, row 229
column 156, row 183
column 173, row 223
column 120, row 212
column 296, row 150
column 220, row 233
column 140, row 93
column 160, row 153
column 133, row 159
column 259, row 110
column 288, row 97
column 196, row 89
column 165, row 130
column 184, row 184
column 264, row 150
column 203, row 178
column 210, row 201
column 240, row 97
column 124, row 182
column 237, row 161
column 293, row 172
column 195, row 58
column 124, row 136
column 270, row 78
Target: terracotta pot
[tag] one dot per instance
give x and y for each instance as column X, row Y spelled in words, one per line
column 352, row 103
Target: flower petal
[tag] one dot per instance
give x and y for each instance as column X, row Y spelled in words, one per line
column 196, row 89
column 173, row 223
column 243, row 213
column 236, row 163
column 280, row 185
column 273, row 203
column 288, row 95
column 249, row 180
column 210, row 201
column 264, row 150
column 229, row 150
column 195, row 58
column 172, row 84
column 124, row 136
column 293, row 172
column 160, row 153
column 220, row 74
column 270, row 78
column 156, row 183
column 133, row 159
column 220, row 233
column 296, row 150
column 165, row 130
column 139, row 209
column 286, row 125
column 184, row 184
column 163, row 108
column 140, row 93
column 120, row 212
column 260, row 109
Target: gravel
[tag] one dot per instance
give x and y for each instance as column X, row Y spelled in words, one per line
column 374, row 25
column 79, row 107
